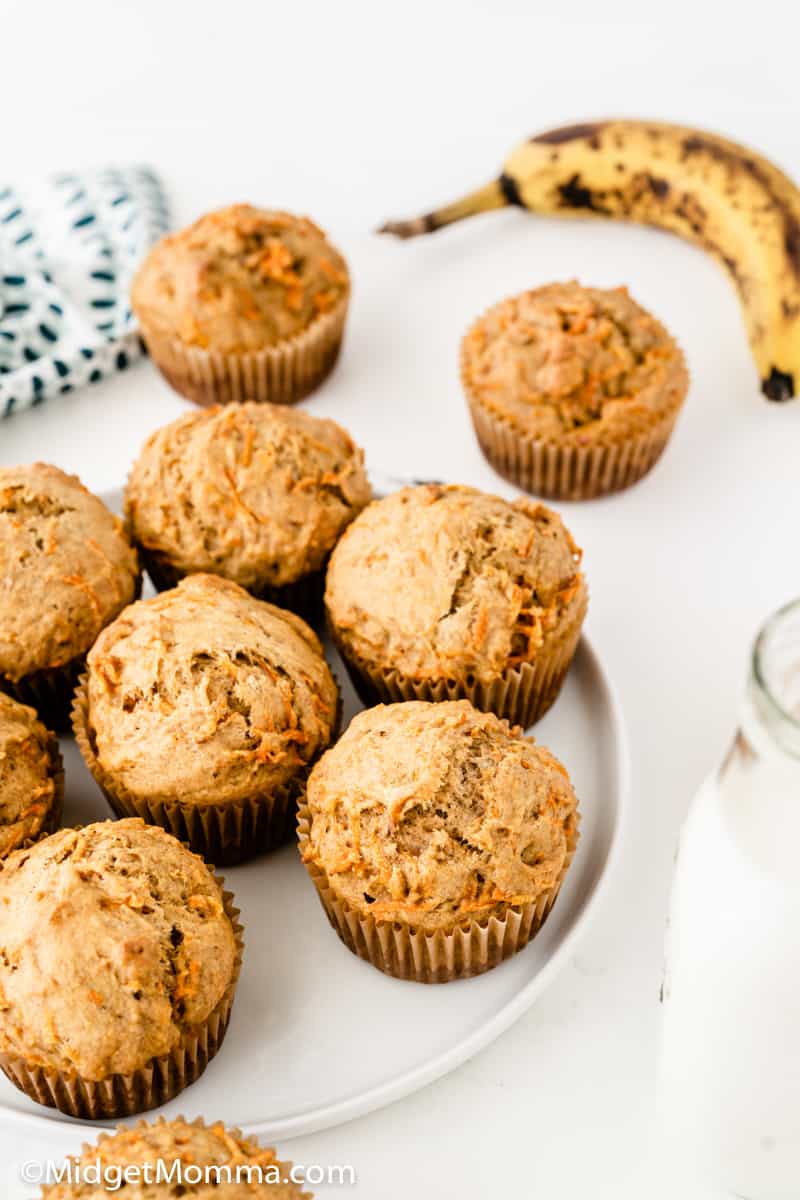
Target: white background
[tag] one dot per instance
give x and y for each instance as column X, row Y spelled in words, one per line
column 354, row 113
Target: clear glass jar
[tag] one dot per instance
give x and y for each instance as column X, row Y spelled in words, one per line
column 730, row 1062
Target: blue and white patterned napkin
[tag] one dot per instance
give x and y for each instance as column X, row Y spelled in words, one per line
column 69, row 247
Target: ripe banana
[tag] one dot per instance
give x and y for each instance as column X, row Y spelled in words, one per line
column 730, row 201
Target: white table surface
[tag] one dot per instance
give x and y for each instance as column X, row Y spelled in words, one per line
column 358, row 112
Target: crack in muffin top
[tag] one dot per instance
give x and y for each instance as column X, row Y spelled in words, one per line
column 425, row 812
column 190, row 1144
column 448, row 582
column 573, row 363
column 259, row 493
column 204, row 694
column 113, row 942
column 67, row 568
column 28, row 767
column 239, row 280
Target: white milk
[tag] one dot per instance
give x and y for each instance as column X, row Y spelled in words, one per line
column 730, row 1069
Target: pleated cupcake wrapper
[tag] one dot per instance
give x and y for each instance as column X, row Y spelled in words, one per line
column 281, row 374
column 156, row 1083
column 304, row 596
column 566, row 472
column 225, row 834
column 50, row 691
column 471, row 948
column 522, row 695
column 563, row 472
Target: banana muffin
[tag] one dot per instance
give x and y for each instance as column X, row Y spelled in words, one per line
column 257, row 493
column 202, row 710
column 31, row 777
column 573, row 391
column 441, row 592
column 437, row 837
column 208, row 1162
column 68, row 569
column 245, row 304
column 119, row 963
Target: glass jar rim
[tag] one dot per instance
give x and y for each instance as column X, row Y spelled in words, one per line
column 761, row 674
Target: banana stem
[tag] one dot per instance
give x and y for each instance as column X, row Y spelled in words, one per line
column 483, row 200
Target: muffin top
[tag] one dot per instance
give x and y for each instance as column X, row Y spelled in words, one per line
column 573, row 363
column 30, row 765
column 115, row 943
column 189, row 1145
column 258, row 493
column 66, row 564
column 428, row 812
column 446, row 582
column 204, row 694
column 239, row 280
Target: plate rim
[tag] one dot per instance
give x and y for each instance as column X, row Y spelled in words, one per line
column 329, row 1116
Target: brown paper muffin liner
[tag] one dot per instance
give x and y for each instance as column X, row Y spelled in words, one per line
column 470, row 948
column 303, row 596
column 225, row 834
column 154, row 1084
column 281, row 374
column 565, row 472
column 50, row 691
column 522, row 695
column 558, row 471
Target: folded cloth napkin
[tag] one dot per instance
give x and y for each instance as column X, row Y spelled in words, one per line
column 69, row 246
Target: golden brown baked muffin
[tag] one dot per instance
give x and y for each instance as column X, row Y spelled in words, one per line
column 573, row 391
column 245, row 304
column 31, row 777
column 438, row 837
column 202, row 711
column 120, row 959
column 257, row 493
column 440, row 592
column 208, row 1162
column 68, row 569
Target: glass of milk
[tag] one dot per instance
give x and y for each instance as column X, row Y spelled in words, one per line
column 730, row 1062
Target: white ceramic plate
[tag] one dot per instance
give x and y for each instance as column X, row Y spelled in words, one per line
column 317, row 1036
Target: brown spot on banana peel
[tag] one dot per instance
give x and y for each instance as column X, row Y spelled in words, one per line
column 690, row 210
column 792, row 242
column 572, row 133
column 659, row 187
column 573, row 194
column 732, row 267
column 697, row 144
